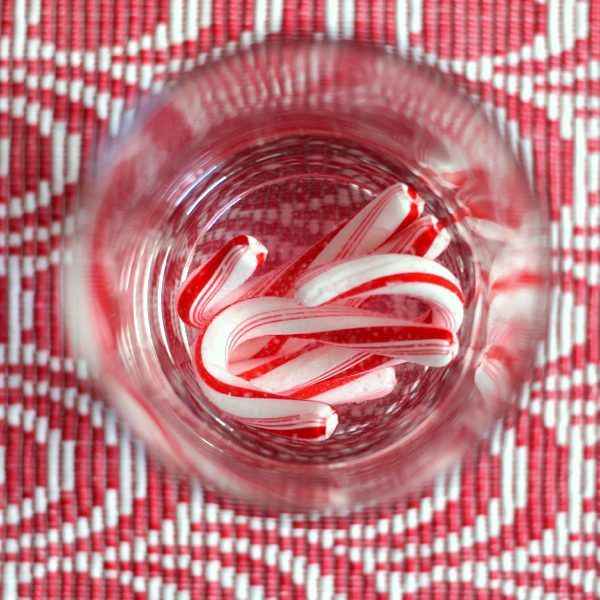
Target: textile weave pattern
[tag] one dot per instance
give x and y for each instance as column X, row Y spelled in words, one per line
column 86, row 513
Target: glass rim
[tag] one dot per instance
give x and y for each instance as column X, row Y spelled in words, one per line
column 215, row 444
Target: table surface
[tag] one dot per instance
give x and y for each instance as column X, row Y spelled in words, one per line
column 85, row 513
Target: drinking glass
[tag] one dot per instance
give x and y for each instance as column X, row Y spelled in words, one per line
column 283, row 142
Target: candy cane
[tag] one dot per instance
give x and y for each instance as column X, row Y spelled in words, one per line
column 412, row 276
column 339, row 326
column 260, row 409
column 321, row 372
column 391, row 211
column 215, row 280
column 395, row 208
column 258, row 317
column 425, row 237
column 370, row 386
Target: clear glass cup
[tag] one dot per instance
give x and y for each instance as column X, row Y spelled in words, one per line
column 283, row 142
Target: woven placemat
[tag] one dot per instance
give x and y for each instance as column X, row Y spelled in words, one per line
column 85, row 513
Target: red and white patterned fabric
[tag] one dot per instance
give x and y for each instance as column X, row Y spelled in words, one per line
column 85, row 513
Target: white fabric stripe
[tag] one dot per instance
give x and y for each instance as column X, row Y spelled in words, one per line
column 275, row 16
column 332, row 18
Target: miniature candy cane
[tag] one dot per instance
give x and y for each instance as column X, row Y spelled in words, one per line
column 425, row 237
column 386, row 274
column 215, row 280
column 395, row 208
column 258, row 317
column 320, row 373
column 247, row 402
column 335, row 325
column 263, row 410
column 369, row 386
column 339, row 326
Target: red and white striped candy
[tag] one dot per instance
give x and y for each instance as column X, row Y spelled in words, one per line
column 425, row 237
column 286, row 373
column 212, row 283
column 278, row 414
column 370, row 386
column 394, row 274
column 259, row 364
column 278, row 365
column 255, row 407
column 394, row 209
column 318, row 372
column 335, row 325
column 273, row 316
column 389, row 213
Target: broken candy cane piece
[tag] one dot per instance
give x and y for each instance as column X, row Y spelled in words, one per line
column 211, row 283
column 425, row 237
column 394, row 274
